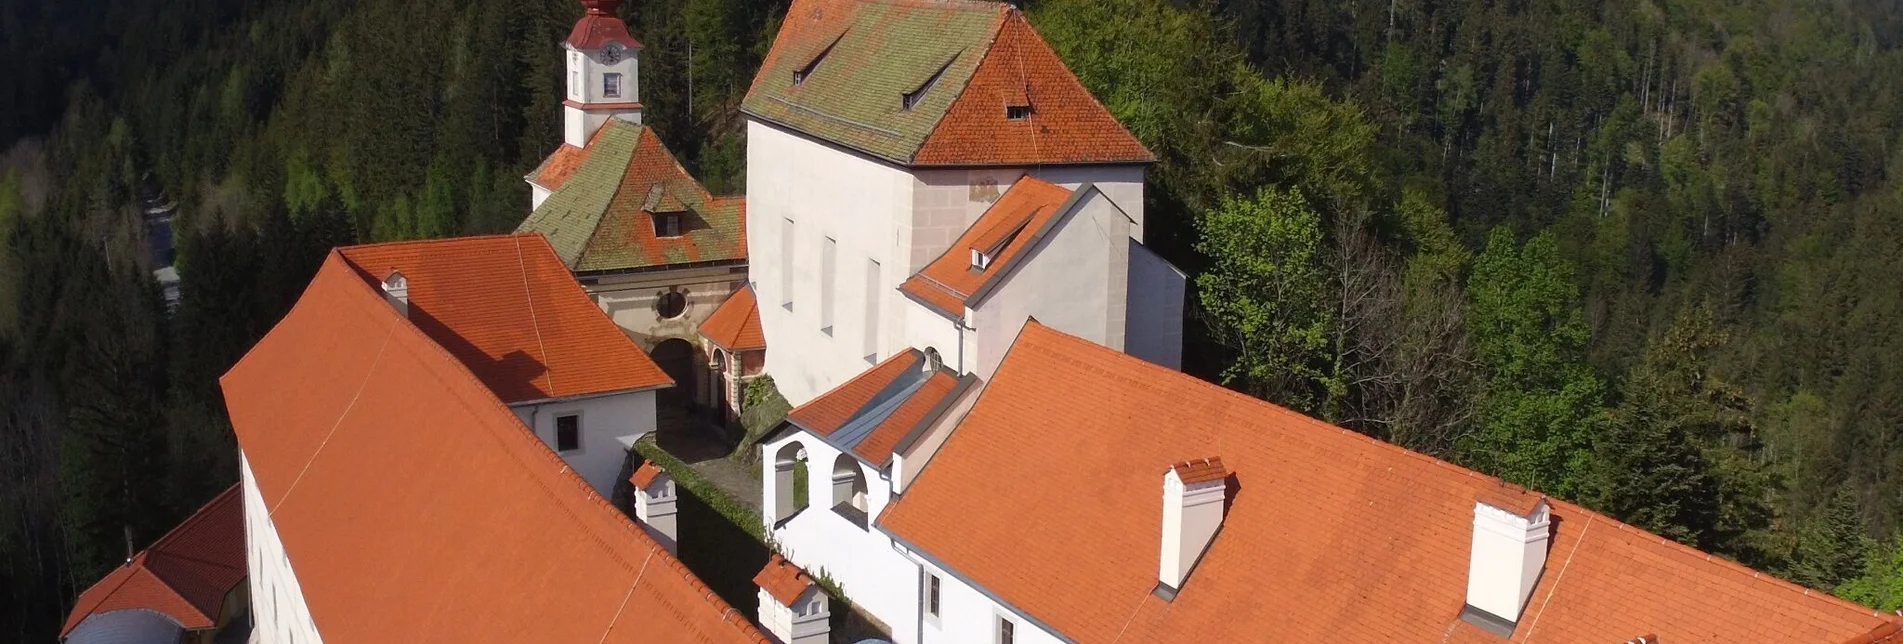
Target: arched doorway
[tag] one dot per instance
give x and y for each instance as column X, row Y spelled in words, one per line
column 681, row 360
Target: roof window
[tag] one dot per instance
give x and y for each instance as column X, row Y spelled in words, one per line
column 667, row 224
column 912, row 98
column 1017, row 112
column 980, row 260
column 799, row 75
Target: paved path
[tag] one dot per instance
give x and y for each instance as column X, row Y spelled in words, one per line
column 693, row 441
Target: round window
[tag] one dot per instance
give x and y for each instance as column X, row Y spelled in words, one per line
column 671, row 305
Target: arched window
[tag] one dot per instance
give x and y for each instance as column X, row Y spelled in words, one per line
column 932, row 360
column 849, row 491
column 789, row 482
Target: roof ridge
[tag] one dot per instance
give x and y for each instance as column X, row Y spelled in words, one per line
column 399, row 243
column 1033, row 328
column 516, row 449
column 175, row 593
column 218, row 500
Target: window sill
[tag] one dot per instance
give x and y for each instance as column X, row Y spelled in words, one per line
column 854, row 515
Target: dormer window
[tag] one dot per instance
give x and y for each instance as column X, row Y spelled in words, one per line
column 799, row 75
column 611, row 85
column 911, row 98
column 980, row 260
column 1017, row 112
column 667, row 224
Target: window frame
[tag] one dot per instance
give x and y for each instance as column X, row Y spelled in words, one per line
column 557, row 433
column 934, row 597
column 1007, row 631
column 1018, row 112
column 611, row 85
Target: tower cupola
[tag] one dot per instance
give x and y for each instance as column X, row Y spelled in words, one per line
column 603, row 80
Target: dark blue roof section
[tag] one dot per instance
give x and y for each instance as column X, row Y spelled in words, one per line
column 879, row 408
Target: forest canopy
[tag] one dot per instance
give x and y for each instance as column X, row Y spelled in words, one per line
column 1641, row 254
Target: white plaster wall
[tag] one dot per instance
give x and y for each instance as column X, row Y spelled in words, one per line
column 1123, row 184
column 1155, row 320
column 967, row 616
column 1074, row 280
column 537, row 195
column 278, row 610
column 827, row 192
column 929, row 329
column 907, row 466
column 609, row 426
column 590, row 64
column 864, row 562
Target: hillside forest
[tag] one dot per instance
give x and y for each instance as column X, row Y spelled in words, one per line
column 1645, row 255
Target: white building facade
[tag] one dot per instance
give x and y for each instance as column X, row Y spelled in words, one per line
column 278, row 611
column 592, row 433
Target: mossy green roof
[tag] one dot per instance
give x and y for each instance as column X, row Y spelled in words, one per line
column 600, row 219
column 883, row 50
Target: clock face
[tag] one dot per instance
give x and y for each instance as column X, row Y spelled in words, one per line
column 612, row 54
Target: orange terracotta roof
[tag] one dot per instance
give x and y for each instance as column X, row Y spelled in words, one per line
column 783, row 580
column 871, row 413
column 414, row 506
column 1332, row 536
column 596, row 29
column 556, row 169
column 185, row 575
column 1888, row 633
column 507, row 307
column 1200, row 470
column 735, row 326
column 1016, row 220
column 644, row 474
column 1066, row 123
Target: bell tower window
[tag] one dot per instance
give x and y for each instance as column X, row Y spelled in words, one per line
column 611, row 85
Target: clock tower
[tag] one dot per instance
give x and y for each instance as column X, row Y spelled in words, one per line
column 604, row 65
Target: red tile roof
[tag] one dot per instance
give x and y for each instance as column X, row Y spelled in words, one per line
column 735, row 326
column 1888, row 633
column 1066, row 123
column 559, row 166
column 1015, row 221
column 1331, row 536
column 507, row 307
column 414, row 506
column 1200, row 470
column 873, row 412
column 596, row 30
column 644, row 474
column 185, row 575
column 783, row 580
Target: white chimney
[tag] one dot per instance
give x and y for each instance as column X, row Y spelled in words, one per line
column 1512, row 528
column 1193, row 494
column 792, row 608
column 654, row 504
column 396, row 291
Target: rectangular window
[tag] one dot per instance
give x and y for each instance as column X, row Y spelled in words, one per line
column 931, row 594
column 568, row 433
column 1007, row 631
column 1017, row 112
column 872, row 311
column 786, row 264
column 667, row 224
column 574, row 84
column 611, row 85
column 827, row 275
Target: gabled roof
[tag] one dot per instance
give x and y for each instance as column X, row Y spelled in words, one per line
column 1021, row 216
column 506, row 307
column 782, row 580
column 1331, row 536
column 558, row 167
column 600, row 217
column 870, row 414
column 185, row 575
column 962, row 62
column 414, row 506
column 735, row 326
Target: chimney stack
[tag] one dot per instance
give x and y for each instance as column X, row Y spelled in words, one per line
column 1193, row 494
column 396, row 291
column 792, row 608
column 654, row 504
column 1512, row 528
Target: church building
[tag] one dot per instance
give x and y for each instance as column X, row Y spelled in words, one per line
column 657, row 252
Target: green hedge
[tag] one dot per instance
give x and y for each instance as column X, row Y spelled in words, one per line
column 687, row 479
